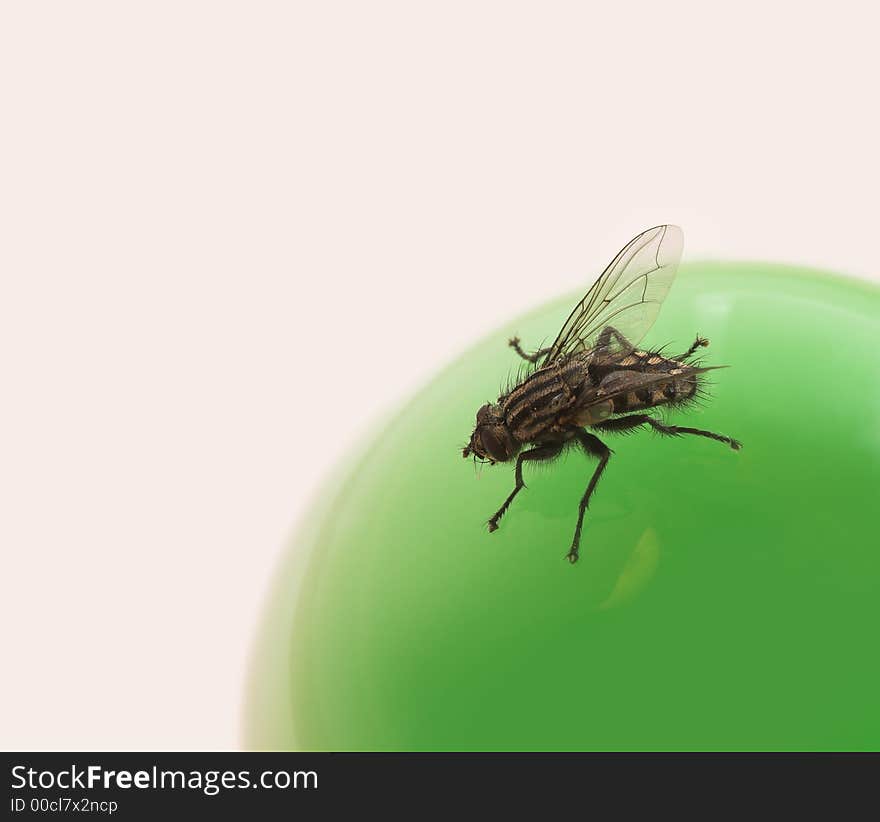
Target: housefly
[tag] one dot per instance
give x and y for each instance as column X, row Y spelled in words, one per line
column 594, row 379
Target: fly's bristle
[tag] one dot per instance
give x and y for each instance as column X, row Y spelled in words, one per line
column 697, row 401
column 516, row 377
column 699, row 398
column 507, row 385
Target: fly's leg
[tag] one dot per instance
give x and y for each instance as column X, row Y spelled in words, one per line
column 539, row 454
column 603, row 341
column 595, row 448
column 699, row 342
column 599, row 370
column 533, row 358
column 635, row 420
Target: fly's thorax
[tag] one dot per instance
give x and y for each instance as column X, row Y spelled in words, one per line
column 533, row 406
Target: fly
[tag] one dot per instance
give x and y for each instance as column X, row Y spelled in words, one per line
column 594, row 378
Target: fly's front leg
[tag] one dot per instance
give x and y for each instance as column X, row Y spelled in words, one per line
column 596, row 448
column 541, row 453
column 513, row 342
column 635, row 420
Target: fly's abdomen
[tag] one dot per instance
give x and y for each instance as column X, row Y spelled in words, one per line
column 677, row 390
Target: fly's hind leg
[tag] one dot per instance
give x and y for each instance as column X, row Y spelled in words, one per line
column 609, row 333
column 541, row 453
column 599, row 368
column 596, row 448
column 635, row 420
column 699, row 342
column 513, row 342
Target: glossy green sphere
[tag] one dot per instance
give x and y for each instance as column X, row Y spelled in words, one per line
column 723, row 600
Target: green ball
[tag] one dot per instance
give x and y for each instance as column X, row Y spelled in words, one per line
column 723, row 600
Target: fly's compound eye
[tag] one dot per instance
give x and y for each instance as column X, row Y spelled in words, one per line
column 493, row 447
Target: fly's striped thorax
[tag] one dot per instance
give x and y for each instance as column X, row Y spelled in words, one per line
column 530, row 408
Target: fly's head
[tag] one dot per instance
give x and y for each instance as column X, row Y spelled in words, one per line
column 491, row 441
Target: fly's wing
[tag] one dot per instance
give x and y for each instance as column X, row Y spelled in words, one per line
column 626, row 297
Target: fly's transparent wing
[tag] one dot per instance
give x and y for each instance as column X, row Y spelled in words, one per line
column 626, row 297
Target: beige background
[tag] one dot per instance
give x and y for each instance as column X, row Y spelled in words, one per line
column 232, row 235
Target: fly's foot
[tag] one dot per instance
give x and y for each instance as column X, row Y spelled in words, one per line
column 572, row 556
column 492, row 525
column 699, row 342
column 736, row 445
column 513, row 342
